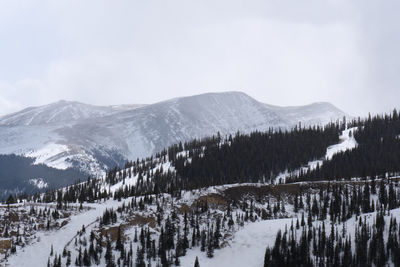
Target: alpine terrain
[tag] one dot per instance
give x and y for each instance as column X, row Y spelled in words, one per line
column 311, row 196
column 86, row 140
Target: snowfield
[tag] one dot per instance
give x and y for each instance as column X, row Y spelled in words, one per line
column 348, row 142
column 51, row 155
column 247, row 247
column 38, row 182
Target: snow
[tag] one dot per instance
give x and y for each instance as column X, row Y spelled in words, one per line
column 65, row 130
column 37, row 254
column 245, row 245
column 246, row 249
column 131, row 181
column 38, row 182
column 51, row 155
column 347, row 143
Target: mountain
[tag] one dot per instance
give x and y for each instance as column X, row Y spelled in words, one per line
column 205, row 203
column 91, row 138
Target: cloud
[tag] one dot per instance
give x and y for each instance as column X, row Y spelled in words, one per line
column 7, row 106
column 280, row 52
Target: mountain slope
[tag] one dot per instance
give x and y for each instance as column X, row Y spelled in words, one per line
column 148, row 221
column 91, row 138
column 18, row 175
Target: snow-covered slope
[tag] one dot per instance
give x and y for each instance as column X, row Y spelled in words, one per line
column 71, row 134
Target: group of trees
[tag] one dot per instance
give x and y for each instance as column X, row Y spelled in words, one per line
column 341, row 202
column 257, row 157
column 312, row 245
column 377, row 152
column 171, row 234
column 308, row 243
column 15, row 172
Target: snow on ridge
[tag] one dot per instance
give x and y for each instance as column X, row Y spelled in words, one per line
column 38, row 182
column 61, row 157
column 50, row 155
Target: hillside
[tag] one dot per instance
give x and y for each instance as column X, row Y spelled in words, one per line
column 152, row 212
column 18, row 175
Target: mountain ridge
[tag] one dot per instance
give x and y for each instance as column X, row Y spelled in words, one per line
column 72, row 134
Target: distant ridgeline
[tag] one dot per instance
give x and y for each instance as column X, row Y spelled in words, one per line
column 18, row 175
column 377, row 153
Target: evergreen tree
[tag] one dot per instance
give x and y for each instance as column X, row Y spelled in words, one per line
column 196, row 262
column 140, row 257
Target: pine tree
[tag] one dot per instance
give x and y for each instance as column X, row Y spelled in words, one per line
column 108, row 255
column 210, row 246
column 177, row 261
column 392, row 197
column 366, row 199
column 119, row 245
column 140, row 257
column 382, row 194
column 86, row 258
column 203, row 240
column 217, row 233
column 196, row 262
column 267, row 257
column 68, row 263
column 135, row 238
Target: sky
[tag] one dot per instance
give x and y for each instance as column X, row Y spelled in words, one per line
column 136, row 52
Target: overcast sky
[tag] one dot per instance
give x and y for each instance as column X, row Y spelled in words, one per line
column 279, row 52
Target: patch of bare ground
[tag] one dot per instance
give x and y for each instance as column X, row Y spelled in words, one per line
column 211, row 200
column 260, row 192
column 112, row 233
column 5, row 245
column 141, row 221
column 184, row 209
column 136, row 220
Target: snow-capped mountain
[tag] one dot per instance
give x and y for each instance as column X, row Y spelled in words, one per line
column 71, row 134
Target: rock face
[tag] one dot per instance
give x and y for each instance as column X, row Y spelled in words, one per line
column 71, row 134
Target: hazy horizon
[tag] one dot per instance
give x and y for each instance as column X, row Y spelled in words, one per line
column 146, row 104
